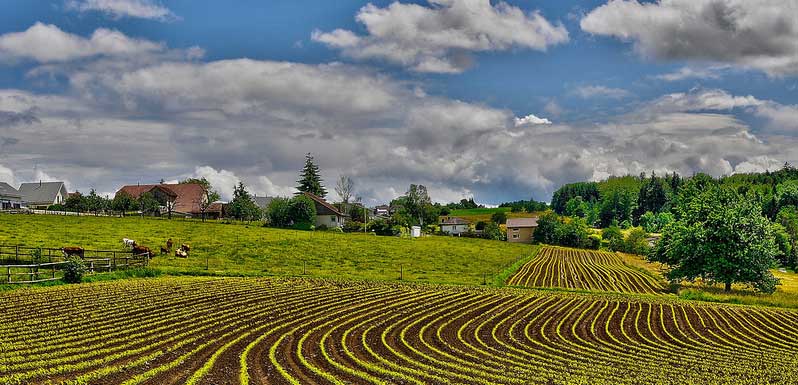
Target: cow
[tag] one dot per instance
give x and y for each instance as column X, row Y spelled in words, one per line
column 185, row 247
column 71, row 251
column 181, row 253
column 169, row 244
column 142, row 251
column 164, row 250
column 129, row 243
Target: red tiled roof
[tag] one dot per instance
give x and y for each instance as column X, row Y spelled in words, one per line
column 321, row 202
column 188, row 196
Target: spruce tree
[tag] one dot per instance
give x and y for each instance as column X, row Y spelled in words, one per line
column 310, row 179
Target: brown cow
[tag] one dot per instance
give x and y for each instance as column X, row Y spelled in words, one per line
column 164, row 250
column 169, row 244
column 142, row 251
column 70, row 251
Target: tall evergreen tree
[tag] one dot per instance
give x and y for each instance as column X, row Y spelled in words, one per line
column 310, row 179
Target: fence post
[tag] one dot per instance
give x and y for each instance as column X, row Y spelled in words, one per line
column 401, row 272
column 304, row 271
column 8, row 271
column 16, row 252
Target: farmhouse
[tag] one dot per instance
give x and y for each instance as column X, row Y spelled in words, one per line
column 454, row 225
column 520, row 230
column 10, row 198
column 184, row 199
column 326, row 214
column 41, row 195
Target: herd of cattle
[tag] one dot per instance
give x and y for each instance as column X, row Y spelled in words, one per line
column 136, row 249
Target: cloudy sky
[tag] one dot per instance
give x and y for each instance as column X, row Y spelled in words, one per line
column 490, row 99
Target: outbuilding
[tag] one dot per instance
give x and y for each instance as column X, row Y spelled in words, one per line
column 521, row 230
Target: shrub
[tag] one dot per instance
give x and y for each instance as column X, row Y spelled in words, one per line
column 353, row 227
column 594, row 241
column 383, row 227
column 302, row 211
column 499, row 217
column 614, row 238
column 74, row 270
column 480, row 225
column 322, row 227
column 278, row 213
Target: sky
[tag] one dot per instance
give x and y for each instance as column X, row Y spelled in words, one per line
column 493, row 100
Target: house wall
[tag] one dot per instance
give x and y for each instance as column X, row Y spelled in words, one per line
column 7, row 202
column 329, row 220
column 520, row 234
column 454, row 229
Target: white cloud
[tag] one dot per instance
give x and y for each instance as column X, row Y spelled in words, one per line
column 761, row 34
column 441, row 37
column 223, row 181
column 712, row 72
column 47, row 43
column 530, row 120
column 7, row 175
column 145, row 9
column 587, row 92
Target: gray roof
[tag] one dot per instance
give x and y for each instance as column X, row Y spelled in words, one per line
column 263, row 202
column 7, row 191
column 522, row 222
column 41, row 192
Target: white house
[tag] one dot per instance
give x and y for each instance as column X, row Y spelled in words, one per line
column 454, row 225
column 326, row 214
column 43, row 194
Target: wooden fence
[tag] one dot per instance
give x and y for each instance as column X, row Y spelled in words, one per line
column 18, row 264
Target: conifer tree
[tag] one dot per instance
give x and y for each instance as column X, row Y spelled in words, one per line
column 310, row 179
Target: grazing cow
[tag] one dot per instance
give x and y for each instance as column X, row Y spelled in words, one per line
column 169, row 244
column 181, row 253
column 164, row 250
column 185, row 247
column 129, row 243
column 142, row 251
column 72, row 251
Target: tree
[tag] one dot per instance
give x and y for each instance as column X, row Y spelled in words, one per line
column 636, row 242
column 788, row 219
column 123, row 202
column 614, row 238
column 416, row 207
column 96, row 203
column 572, row 233
column 76, row 202
column 499, row 218
column 577, row 207
column 200, row 181
column 493, row 231
column 344, row 188
column 148, row 204
column 278, row 213
column 302, row 211
column 242, row 207
column 720, row 237
column 652, row 196
column 547, row 228
column 208, row 198
column 310, row 179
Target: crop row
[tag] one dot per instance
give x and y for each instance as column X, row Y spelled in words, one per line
column 294, row 331
column 556, row 267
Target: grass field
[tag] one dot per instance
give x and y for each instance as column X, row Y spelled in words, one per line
column 227, row 331
column 238, row 249
column 484, row 214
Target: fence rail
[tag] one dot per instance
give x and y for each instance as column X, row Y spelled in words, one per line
column 51, row 263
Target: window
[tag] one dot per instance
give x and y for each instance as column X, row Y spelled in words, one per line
column 333, row 218
column 515, row 236
column 515, row 230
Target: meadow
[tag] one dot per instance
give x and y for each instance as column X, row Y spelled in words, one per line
column 484, row 214
column 253, row 250
column 242, row 331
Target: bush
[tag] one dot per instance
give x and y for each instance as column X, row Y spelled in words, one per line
column 278, row 212
column 336, row 229
column 480, row 225
column 74, row 270
column 353, row 227
column 614, row 238
column 499, row 218
column 594, row 241
column 322, row 227
column 636, row 242
column 383, row 227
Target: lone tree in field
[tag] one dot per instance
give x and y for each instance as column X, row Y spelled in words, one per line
column 722, row 237
column 242, row 207
column 310, row 179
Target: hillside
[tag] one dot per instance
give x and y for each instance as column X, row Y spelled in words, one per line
column 255, row 250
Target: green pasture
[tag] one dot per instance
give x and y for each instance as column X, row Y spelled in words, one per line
column 218, row 248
